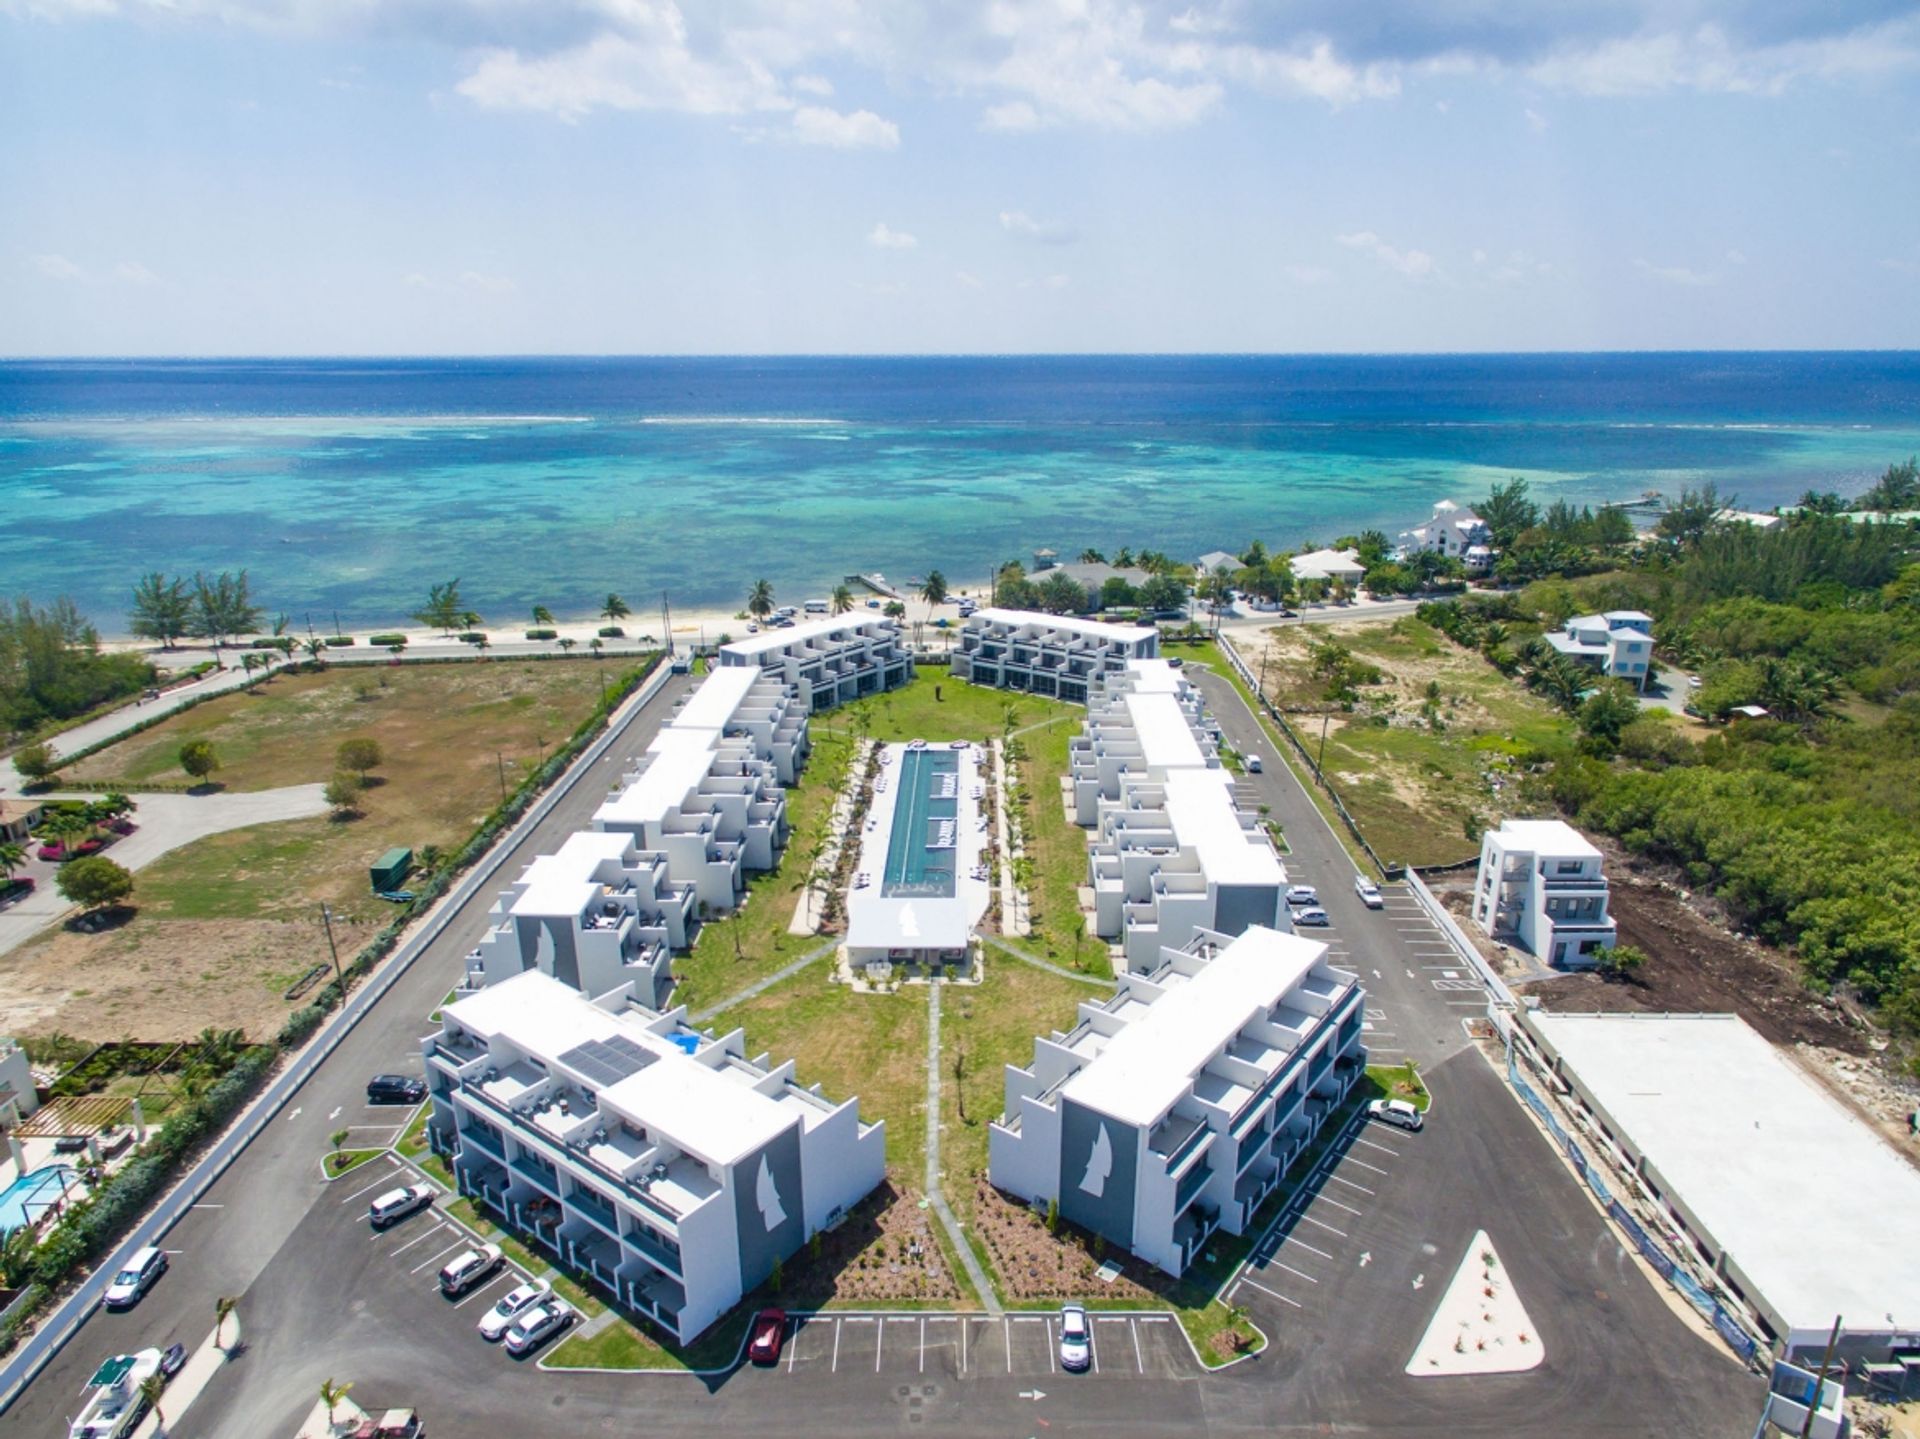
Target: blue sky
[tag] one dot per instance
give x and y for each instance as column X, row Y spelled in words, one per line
column 628, row 176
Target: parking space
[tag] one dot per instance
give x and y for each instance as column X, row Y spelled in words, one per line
column 1019, row 1346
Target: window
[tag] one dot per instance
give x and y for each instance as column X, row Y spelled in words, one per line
column 1566, row 866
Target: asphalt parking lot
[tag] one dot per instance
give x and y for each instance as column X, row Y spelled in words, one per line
column 1125, row 1346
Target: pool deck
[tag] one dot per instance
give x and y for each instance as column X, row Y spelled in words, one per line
column 895, row 909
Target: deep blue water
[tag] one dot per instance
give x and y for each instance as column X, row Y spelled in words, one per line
column 353, row 484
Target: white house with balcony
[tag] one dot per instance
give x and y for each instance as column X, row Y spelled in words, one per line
column 1058, row 656
column 827, row 662
column 666, row 1166
column 598, row 914
column 1173, row 1108
column 1143, row 722
column 1618, row 644
column 744, row 703
column 1329, row 565
column 1540, row 886
column 1453, row 533
column 708, row 805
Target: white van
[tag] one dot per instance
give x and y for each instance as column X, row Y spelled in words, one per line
column 1254, row 765
column 817, row 607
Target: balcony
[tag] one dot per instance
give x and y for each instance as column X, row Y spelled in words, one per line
column 654, row 1249
column 589, row 1205
column 483, row 1136
column 541, row 1176
column 1191, row 1183
column 1178, row 1136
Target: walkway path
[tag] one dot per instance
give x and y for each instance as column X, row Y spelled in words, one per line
column 1039, row 963
column 167, row 821
column 936, row 1197
column 760, row 986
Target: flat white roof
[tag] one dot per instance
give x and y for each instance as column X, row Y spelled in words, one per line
column 677, row 1096
column 1154, row 676
column 558, row 884
column 1811, row 1205
column 923, row 922
column 1324, row 561
column 1166, row 738
column 1150, row 1064
column 681, row 759
column 1201, row 807
column 1069, row 624
column 776, row 639
column 714, row 704
column 1551, row 837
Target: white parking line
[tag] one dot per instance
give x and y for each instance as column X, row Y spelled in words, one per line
column 1363, row 1163
column 1276, row 1264
column 793, row 1347
column 963, row 1345
column 375, row 1185
column 1306, row 1246
column 1138, row 1357
column 438, row 1257
column 1381, row 1147
column 836, row 1347
column 1274, row 1292
column 1349, row 1183
column 509, row 1275
column 1093, row 1348
column 923, row 1346
column 1323, row 1199
column 437, row 1227
column 879, row 1345
column 1051, row 1368
column 1328, row 1227
column 1007, row 1324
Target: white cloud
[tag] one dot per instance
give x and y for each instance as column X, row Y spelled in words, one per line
column 816, row 85
column 1676, row 274
column 1479, row 257
column 1414, row 264
column 1736, row 257
column 861, row 130
column 1706, row 59
column 56, row 267
column 1307, row 274
column 132, row 272
column 1047, row 282
column 883, row 238
column 968, row 281
column 1536, row 121
column 1045, row 232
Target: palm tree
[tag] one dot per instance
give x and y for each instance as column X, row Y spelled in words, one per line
column 933, row 589
column 469, row 621
column 249, row 662
column 615, row 609
column 842, row 599
column 315, row 649
column 760, row 599
column 222, row 1308
column 596, row 644
column 151, row 1388
column 12, row 856
column 331, row 1394
column 338, row 1139
column 1091, row 556
column 566, row 642
column 542, row 615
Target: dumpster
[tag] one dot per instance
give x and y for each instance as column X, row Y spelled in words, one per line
column 390, row 871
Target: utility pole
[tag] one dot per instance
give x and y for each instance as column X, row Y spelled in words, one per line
column 1820, row 1379
column 326, row 918
column 666, row 623
column 500, row 759
column 1323, row 747
column 1264, row 653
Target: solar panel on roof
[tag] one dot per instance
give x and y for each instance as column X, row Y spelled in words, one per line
column 607, row 1061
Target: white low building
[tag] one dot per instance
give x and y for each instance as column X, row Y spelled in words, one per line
column 827, row 662
column 1540, row 885
column 668, row 1167
column 1452, row 532
column 1173, row 1108
column 597, row 914
column 1058, row 656
column 708, row 805
column 1329, row 565
column 1800, row 1208
column 1215, row 561
column 1143, row 722
column 1617, row 644
column 18, row 1097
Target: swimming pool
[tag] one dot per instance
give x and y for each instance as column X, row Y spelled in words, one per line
column 32, row 1195
column 920, row 845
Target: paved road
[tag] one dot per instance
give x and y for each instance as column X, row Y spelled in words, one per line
column 322, row 1296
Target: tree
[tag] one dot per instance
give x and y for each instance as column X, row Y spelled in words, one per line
column 338, row 1139
column 35, row 761
column 199, row 758
column 359, row 754
column 1062, row 594
column 1088, row 556
column 223, row 607
column 596, row 644
column 842, row 599
column 94, row 883
column 933, row 589
column 152, row 1389
column 222, row 1308
column 615, row 609
column 1508, row 511
column 1116, row 593
column 894, row 610
column 566, row 643
column 1897, row 489
column 12, row 856
column 343, row 792
column 760, row 600
column 331, row 1394
column 443, row 608
column 1162, row 594
column 161, row 609
column 1622, row 961
column 1688, row 519
column 542, row 615
column 316, row 650
column 1605, row 712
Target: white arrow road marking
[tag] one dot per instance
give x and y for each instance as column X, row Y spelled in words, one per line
column 1366, row 1258
column 1376, row 974
column 336, row 1112
column 1409, row 974
column 1419, row 1281
column 1036, row 1395
column 291, row 1117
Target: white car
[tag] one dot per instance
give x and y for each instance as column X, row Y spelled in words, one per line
column 538, row 1325
column 1398, row 1112
column 468, row 1268
column 143, row 1270
column 1303, row 894
column 397, row 1204
column 1076, row 1339
column 1369, row 892
column 515, row 1302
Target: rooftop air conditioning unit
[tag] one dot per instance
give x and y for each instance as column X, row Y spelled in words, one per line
column 659, row 1171
column 491, row 1075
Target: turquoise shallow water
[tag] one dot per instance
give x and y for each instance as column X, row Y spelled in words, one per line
column 354, row 485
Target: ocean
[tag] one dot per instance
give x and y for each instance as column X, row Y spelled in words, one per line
column 349, row 486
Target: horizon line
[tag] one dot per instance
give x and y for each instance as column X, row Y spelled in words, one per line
column 157, row 357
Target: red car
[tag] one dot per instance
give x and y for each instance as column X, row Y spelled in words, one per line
column 769, row 1333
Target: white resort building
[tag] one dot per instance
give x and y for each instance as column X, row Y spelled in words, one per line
column 667, row 1166
column 1053, row 655
column 827, row 662
column 1454, row 533
column 1619, row 644
column 1540, row 885
column 1173, row 1108
column 1171, row 852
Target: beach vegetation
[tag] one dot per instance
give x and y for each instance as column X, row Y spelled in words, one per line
column 542, row 615
column 614, row 609
column 842, row 599
column 388, row 641
column 223, row 607
column 52, row 669
column 1509, row 511
column 933, row 589
column 760, row 600
column 1896, row 489
column 1061, row 594
column 1162, row 594
column 162, row 609
column 444, row 610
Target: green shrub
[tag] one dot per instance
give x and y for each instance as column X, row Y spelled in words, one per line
column 386, row 639
column 543, row 634
column 611, row 632
column 470, row 637
column 336, row 642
